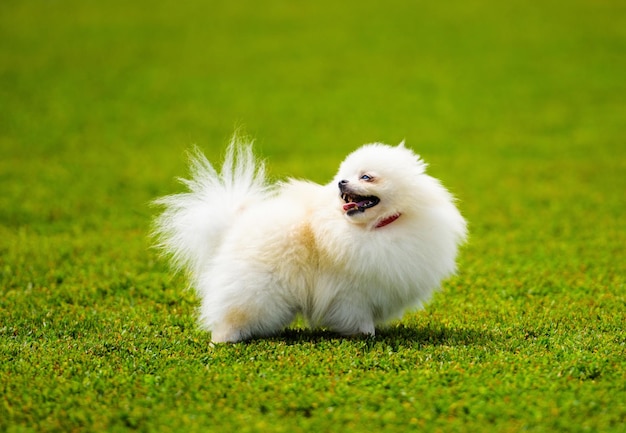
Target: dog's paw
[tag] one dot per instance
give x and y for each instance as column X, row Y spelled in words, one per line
column 223, row 335
column 367, row 329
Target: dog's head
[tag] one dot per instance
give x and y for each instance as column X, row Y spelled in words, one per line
column 377, row 183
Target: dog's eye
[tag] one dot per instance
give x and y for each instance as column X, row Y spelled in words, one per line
column 366, row 178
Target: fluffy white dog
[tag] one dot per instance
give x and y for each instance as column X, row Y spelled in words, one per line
column 352, row 254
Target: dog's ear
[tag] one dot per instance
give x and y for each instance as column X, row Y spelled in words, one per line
column 401, row 144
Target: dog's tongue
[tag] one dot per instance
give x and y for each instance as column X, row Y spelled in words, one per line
column 349, row 206
column 353, row 205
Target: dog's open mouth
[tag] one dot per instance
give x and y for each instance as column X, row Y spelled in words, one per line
column 357, row 203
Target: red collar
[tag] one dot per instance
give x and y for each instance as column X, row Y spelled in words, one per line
column 388, row 220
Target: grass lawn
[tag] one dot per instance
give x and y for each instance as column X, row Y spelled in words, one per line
column 518, row 107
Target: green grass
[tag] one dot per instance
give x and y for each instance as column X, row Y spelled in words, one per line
column 518, row 107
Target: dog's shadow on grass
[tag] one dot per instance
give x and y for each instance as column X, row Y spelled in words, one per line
column 431, row 335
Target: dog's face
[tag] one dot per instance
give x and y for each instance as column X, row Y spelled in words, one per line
column 377, row 182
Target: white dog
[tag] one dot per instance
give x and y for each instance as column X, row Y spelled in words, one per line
column 352, row 254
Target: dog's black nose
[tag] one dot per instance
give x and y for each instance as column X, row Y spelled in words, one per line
column 342, row 184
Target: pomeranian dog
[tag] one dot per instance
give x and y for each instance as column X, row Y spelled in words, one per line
column 348, row 256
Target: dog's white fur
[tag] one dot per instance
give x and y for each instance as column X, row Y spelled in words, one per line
column 259, row 254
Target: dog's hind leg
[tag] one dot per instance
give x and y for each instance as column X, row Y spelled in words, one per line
column 244, row 322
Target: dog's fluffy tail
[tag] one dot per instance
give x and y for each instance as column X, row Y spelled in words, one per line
column 193, row 223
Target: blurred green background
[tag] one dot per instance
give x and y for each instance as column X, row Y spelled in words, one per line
column 126, row 86
column 519, row 107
